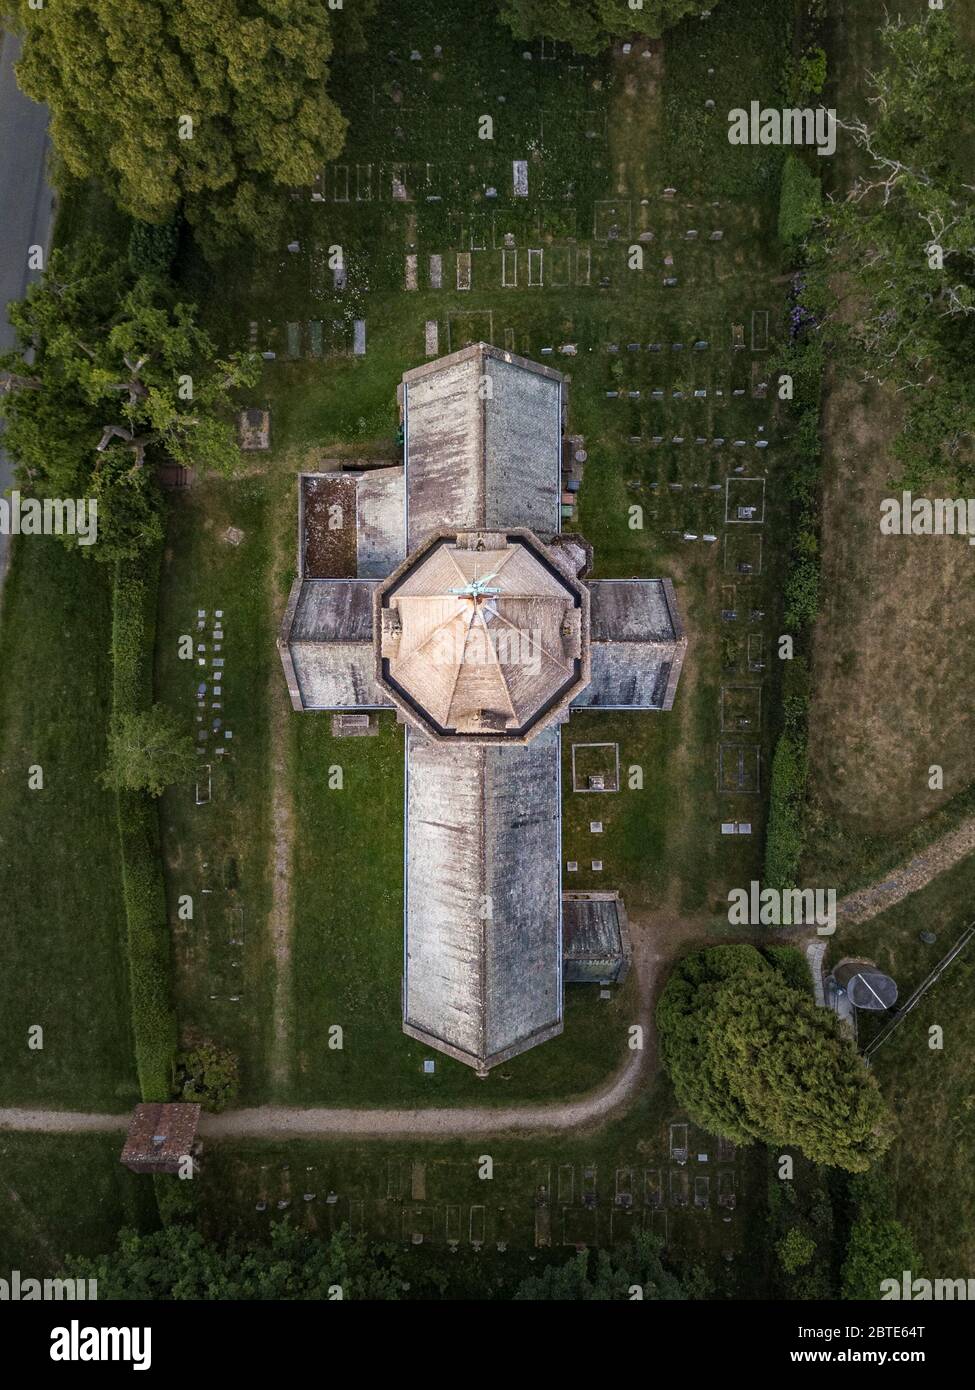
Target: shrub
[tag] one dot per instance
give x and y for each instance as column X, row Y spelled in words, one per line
column 153, row 247
column 207, row 1074
column 795, row 1250
column 880, row 1248
column 800, row 201
column 802, row 589
column 791, row 965
column 149, row 750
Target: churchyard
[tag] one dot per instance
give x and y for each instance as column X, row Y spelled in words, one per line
column 633, row 393
column 297, row 920
column 668, row 409
column 297, row 881
column 508, row 1201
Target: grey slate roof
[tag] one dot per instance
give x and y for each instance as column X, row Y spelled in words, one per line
column 637, row 646
column 596, row 938
column 483, row 960
column 327, row 637
column 482, row 462
column 381, row 522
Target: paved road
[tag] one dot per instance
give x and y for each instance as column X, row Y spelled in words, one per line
column 27, row 203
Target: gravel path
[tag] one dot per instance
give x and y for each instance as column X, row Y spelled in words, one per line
column 283, row 1122
column 61, row 1121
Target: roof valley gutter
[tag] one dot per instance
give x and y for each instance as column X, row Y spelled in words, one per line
column 406, row 861
column 558, row 465
column 487, row 917
column 406, row 470
column 483, row 358
column 558, row 873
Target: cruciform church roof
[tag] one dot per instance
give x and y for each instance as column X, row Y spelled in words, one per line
column 470, row 615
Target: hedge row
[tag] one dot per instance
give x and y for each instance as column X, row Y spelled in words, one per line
column 785, row 835
column 150, row 973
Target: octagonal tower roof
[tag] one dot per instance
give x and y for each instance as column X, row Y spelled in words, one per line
column 482, row 637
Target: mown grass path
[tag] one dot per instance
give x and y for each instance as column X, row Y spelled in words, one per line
column 910, row 877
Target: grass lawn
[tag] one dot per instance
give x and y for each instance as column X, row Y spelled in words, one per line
column 349, row 950
column 891, row 696
column 930, row 1089
column 62, row 949
column 65, row 1195
column 218, row 853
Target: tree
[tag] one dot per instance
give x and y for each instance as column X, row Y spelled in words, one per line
column 903, row 242
column 149, row 751
column 589, row 26
column 178, row 1263
column 110, row 379
column 212, row 106
column 753, row 1058
column 207, row 1074
column 152, row 247
column 605, row 1275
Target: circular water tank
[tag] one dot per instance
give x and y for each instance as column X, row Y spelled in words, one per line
column 866, row 987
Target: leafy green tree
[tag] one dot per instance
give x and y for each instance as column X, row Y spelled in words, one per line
column 806, row 76
column 879, row 1246
column 589, row 26
column 178, row 1263
column 149, row 751
column 752, row 1058
column 108, row 381
column 212, row 106
column 208, row 1074
column 605, row 1275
